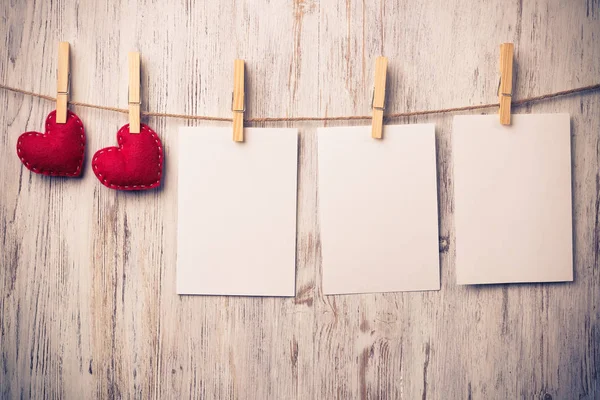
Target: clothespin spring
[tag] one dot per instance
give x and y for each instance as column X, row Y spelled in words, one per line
column 382, row 108
column 241, row 110
column 498, row 91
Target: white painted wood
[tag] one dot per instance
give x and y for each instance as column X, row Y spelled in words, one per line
column 87, row 276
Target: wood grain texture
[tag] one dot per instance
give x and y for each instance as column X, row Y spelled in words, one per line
column 62, row 82
column 133, row 91
column 506, row 81
column 379, row 98
column 238, row 106
column 87, row 304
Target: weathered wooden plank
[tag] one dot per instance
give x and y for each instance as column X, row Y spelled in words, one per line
column 87, row 277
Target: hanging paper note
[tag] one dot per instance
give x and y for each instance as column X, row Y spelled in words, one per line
column 378, row 209
column 237, row 212
column 512, row 188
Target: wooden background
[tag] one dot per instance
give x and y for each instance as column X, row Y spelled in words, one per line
column 87, row 278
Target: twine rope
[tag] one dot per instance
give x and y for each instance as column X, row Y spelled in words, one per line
column 515, row 103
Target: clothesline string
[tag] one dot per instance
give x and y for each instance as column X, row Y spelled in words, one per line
column 338, row 118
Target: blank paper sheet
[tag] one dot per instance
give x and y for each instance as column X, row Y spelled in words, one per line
column 378, row 209
column 237, row 212
column 512, row 194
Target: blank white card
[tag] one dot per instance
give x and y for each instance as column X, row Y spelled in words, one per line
column 512, row 194
column 237, row 212
column 378, row 209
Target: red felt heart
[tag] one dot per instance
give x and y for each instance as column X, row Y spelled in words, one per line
column 57, row 152
column 135, row 165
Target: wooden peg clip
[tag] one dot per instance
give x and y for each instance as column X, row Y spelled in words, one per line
column 134, row 92
column 62, row 83
column 506, row 81
column 238, row 105
column 378, row 102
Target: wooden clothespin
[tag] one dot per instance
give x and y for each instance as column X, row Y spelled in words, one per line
column 506, row 79
column 378, row 102
column 134, row 92
column 62, row 83
column 238, row 105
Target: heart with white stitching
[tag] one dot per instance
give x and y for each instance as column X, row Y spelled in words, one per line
column 135, row 165
column 57, row 152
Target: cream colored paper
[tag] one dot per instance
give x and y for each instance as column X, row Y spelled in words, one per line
column 237, row 212
column 378, row 209
column 512, row 194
